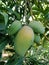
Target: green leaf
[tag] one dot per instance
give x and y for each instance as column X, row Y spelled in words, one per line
column 35, row 12
column 0, row 55
column 13, row 12
column 15, row 62
column 2, row 45
column 34, row 7
column 2, row 26
column 46, row 44
column 19, row 61
column 3, row 20
column 2, row 62
column 47, row 16
column 17, row 15
column 5, row 15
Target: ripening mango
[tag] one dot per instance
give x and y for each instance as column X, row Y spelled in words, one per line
column 23, row 40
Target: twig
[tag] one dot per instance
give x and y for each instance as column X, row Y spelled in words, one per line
column 30, row 7
column 46, row 37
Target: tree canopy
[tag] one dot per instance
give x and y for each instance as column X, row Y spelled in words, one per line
column 24, row 12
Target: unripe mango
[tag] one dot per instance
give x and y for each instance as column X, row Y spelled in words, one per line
column 37, row 38
column 37, row 26
column 15, row 27
column 23, row 40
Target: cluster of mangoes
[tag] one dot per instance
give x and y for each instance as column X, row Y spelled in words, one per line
column 26, row 35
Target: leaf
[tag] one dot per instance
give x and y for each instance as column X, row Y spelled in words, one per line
column 2, row 26
column 34, row 7
column 2, row 45
column 47, row 16
column 0, row 55
column 3, row 20
column 5, row 15
column 35, row 12
column 17, row 15
column 15, row 62
column 2, row 62
column 14, row 12
column 6, row 18
column 46, row 44
column 19, row 61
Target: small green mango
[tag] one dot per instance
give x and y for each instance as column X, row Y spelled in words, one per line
column 37, row 26
column 15, row 27
column 37, row 38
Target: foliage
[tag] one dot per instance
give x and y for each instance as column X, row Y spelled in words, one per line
column 24, row 11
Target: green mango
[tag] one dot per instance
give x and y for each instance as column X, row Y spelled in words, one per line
column 23, row 40
column 15, row 27
column 37, row 26
column 37, row 38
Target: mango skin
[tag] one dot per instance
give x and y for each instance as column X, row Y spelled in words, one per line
column 24, row 39
column 37, row 38
column 37, row 26
column 15, row 27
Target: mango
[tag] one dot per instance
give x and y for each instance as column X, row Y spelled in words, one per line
column 37, row 26
column 15, row 27
column 37, row 38
column 23, row 40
